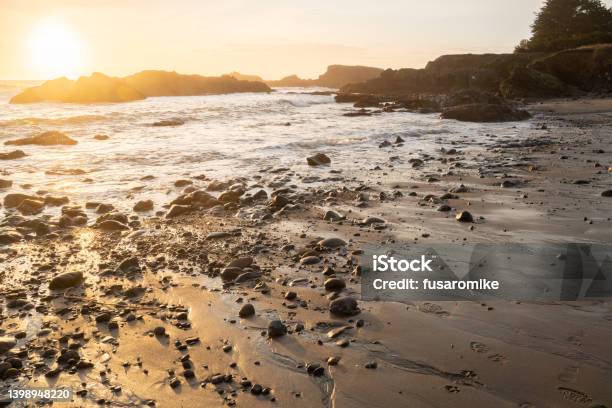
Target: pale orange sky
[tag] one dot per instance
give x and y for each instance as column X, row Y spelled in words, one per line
column 271, row 38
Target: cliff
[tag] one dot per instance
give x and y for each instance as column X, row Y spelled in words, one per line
column 101, row 88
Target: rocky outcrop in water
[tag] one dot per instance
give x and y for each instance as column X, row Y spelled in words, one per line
column 95, row 88
column 102, row 88
column 50, row 138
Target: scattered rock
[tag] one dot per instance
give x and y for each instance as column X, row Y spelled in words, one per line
column 66, row 280
column 607, row 193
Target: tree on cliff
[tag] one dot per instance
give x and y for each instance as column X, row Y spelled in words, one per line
column 563, row 24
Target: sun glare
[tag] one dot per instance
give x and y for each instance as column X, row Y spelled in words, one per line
column 56, row 50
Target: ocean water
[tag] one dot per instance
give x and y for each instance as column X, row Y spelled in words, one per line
column 224, row 136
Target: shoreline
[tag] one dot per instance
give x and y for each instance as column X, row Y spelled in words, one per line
column 421, row 354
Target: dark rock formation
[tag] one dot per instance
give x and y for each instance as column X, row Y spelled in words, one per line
column 529, row 83
column 445, row 74
column 587, row 68
column 336, row 76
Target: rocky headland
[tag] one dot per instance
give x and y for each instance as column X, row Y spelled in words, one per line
column 465, row 87
column 102, row 88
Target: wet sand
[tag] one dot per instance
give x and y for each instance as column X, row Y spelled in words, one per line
column 421, row 354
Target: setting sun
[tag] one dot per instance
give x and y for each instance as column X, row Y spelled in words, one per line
column 56, row 50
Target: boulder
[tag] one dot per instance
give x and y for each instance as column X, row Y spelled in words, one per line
column 50, row 138
column 66, row 280
column 6, row 183
column 484, row 112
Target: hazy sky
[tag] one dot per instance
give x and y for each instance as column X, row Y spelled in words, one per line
column 271, row 38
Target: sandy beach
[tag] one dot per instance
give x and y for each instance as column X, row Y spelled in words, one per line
column 161, row 318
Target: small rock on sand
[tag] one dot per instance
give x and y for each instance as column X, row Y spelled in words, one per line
column 344, row 306
column 246, row 310
column 318, row 159
column 66, row 280
column 331, row 215
column 464, row 216
column 331, row 243
column 276, row 328
column 372, row 220
column 310, row 260
column 334, row 284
